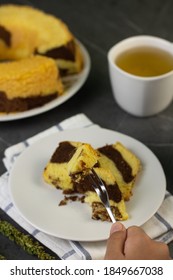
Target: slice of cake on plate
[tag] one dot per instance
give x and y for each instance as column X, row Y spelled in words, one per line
column 69, row 170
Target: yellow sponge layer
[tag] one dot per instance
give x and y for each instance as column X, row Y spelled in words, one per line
column 84, row 158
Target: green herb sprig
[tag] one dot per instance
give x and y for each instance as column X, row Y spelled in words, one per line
column 25, row 241
column 2, row 257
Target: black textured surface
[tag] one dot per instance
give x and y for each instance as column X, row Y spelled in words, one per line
column 99, row 25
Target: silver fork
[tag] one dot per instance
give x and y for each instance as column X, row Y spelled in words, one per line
column 100, row 189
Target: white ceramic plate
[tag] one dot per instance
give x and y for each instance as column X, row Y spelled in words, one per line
column 73, row 83
column 38, row 202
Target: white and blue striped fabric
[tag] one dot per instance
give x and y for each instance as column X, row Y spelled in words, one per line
column 159, row 227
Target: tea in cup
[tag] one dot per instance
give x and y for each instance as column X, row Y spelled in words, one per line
column 141, row 74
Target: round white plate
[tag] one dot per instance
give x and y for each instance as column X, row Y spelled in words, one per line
column 38, row 202
column 72, row 84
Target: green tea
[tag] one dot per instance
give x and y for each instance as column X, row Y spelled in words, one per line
column 145, row 61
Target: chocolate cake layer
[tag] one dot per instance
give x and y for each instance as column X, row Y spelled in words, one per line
column 86, row 184
column 22, row 104
column 66, row 52
column 63, row 153
column 5, row 35
column 120, row 163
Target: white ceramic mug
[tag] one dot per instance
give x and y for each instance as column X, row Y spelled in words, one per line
column 140, row 96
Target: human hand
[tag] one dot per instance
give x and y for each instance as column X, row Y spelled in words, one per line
column 133, row 244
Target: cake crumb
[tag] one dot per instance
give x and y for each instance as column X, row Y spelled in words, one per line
column 71, row 198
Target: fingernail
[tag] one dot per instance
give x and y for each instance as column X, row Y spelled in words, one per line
column 117, row 227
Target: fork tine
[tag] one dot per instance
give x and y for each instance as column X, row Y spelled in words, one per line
column 95, row 186
column 96, row 176
column 101, row 192
column 100, row 182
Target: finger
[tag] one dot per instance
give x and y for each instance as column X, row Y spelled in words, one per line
column 135, row 230
column 115, row 243
column 162, row 250
column 116, row 227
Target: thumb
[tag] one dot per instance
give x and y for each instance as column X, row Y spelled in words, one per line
column 115, row 243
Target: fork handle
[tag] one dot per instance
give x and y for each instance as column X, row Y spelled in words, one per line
column 111, row 215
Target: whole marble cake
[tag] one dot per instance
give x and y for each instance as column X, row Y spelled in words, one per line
column 26, row 31
column 28, row 81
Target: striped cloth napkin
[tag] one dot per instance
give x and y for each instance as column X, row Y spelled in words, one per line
column 159, row 227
